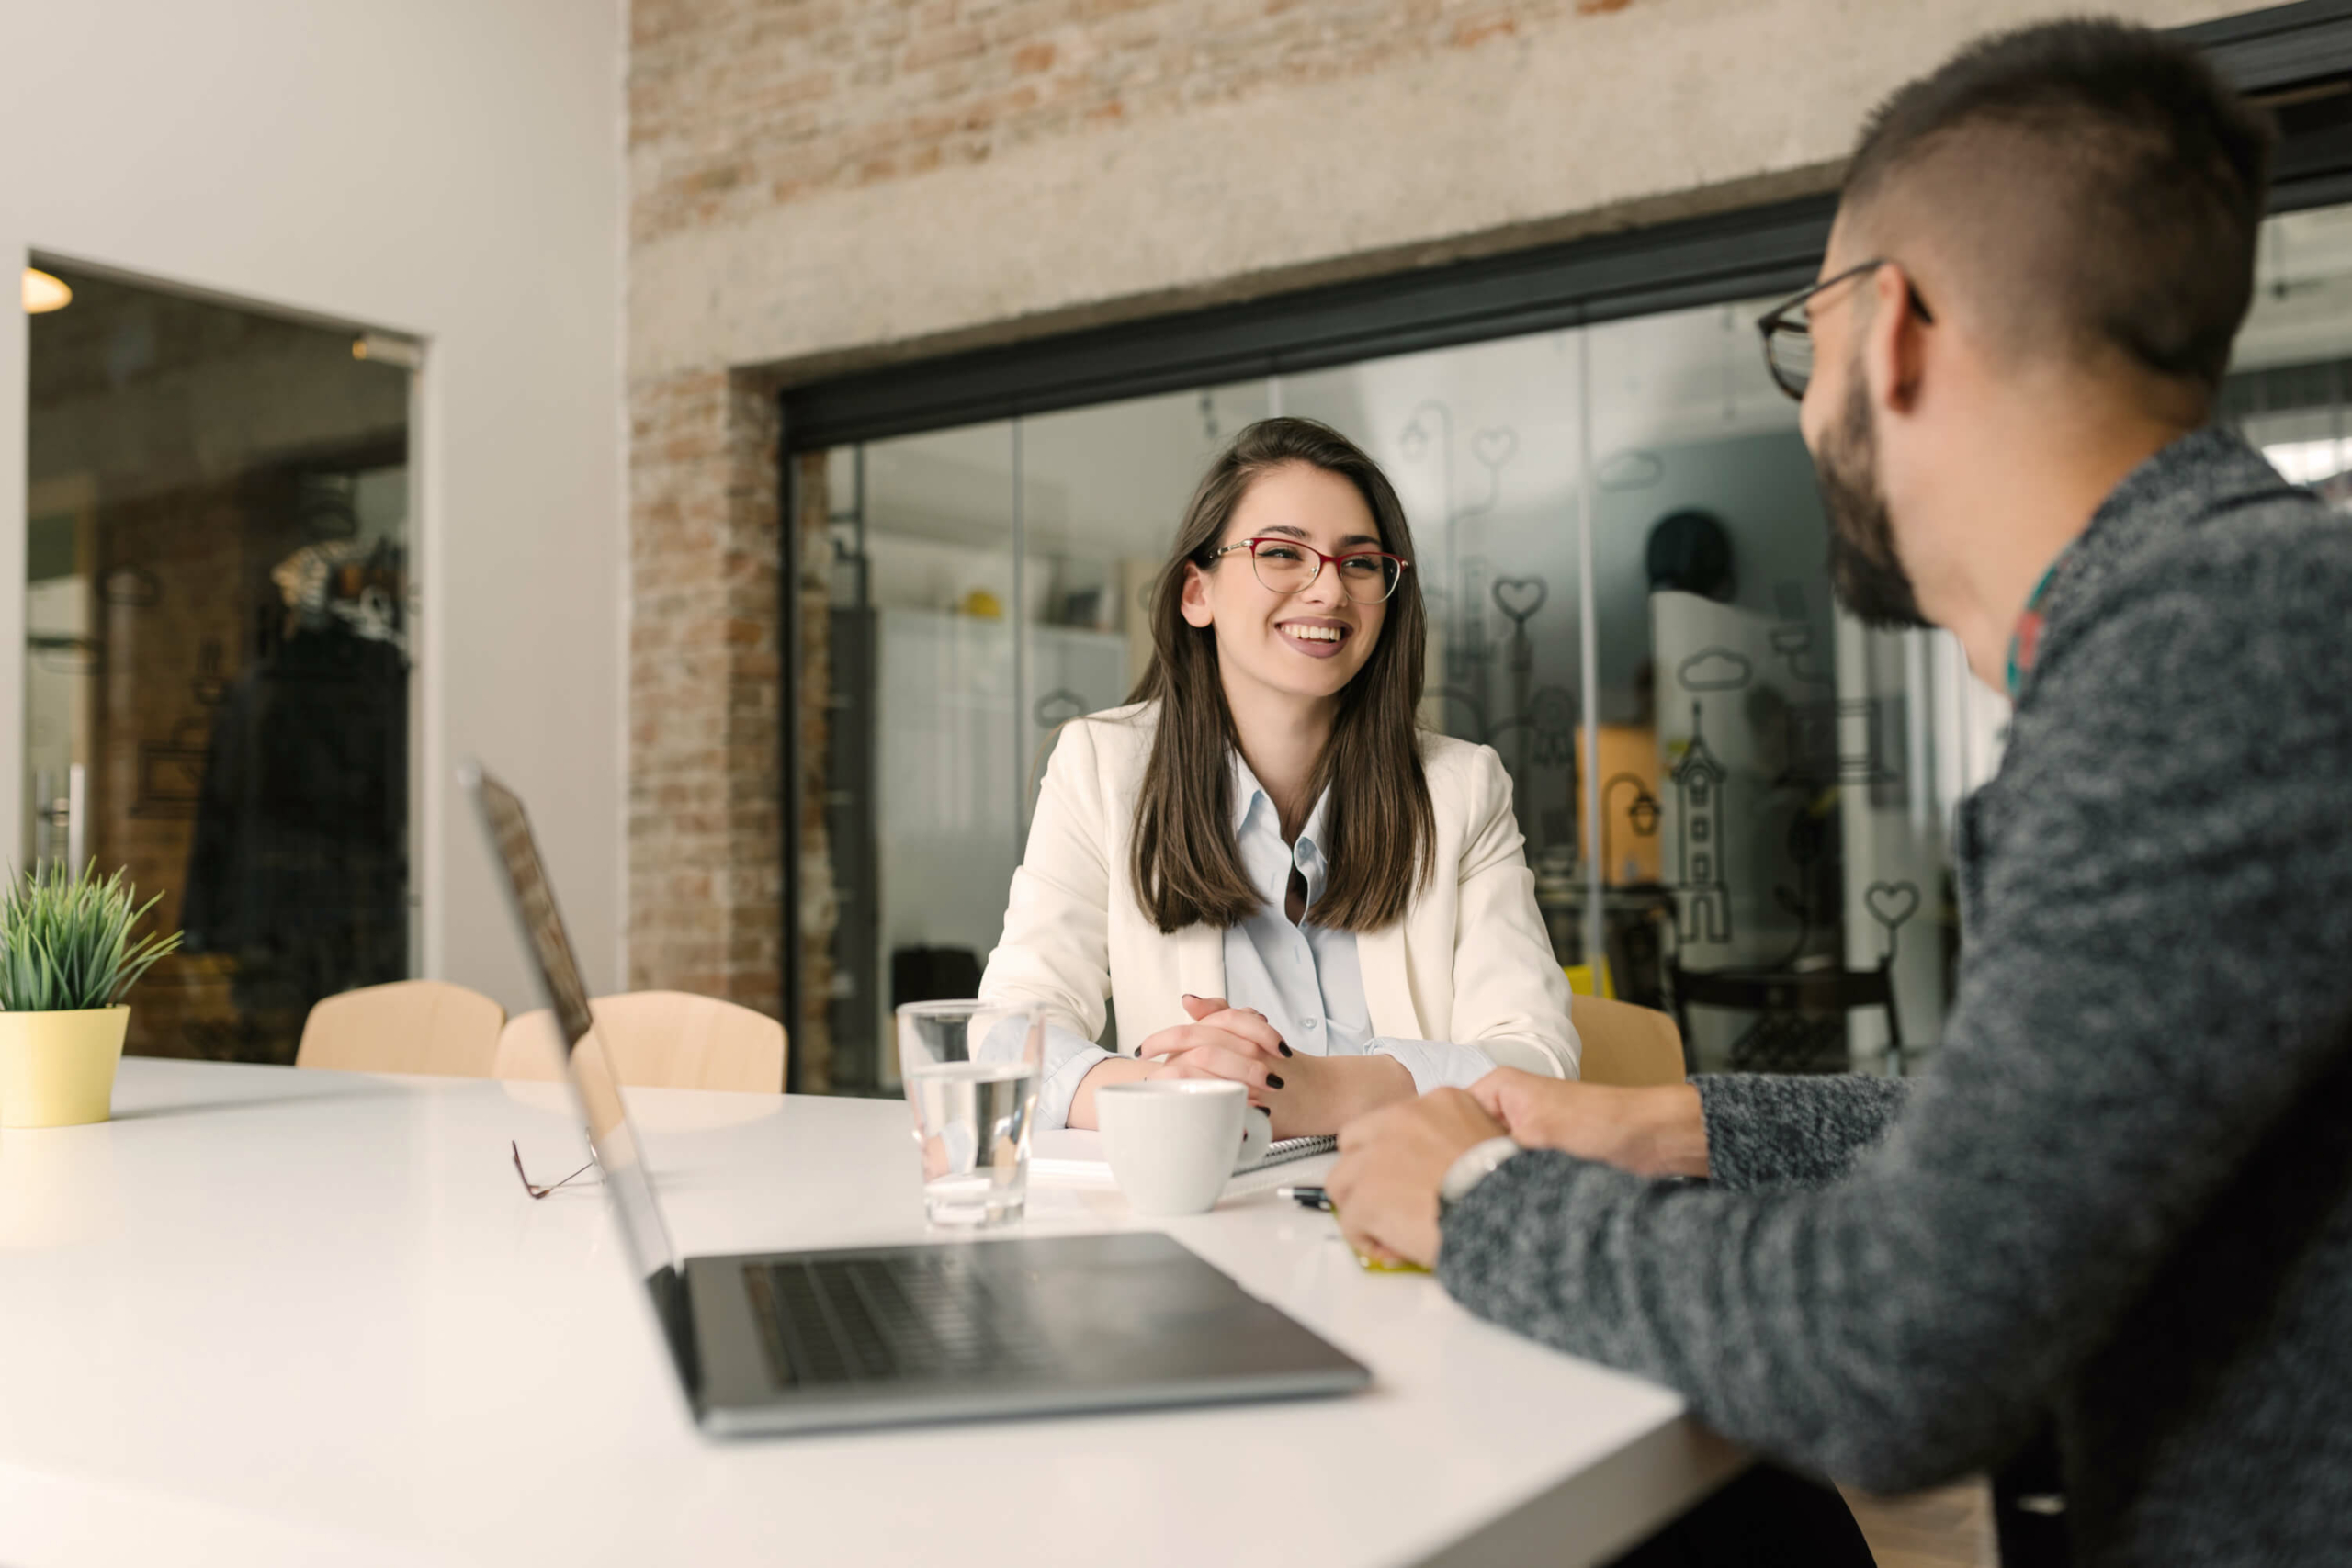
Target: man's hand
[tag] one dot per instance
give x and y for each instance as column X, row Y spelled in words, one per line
column 1391, row 1164
column 1650, row 1132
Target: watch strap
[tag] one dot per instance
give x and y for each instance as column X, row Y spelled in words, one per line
column 1471, row 1167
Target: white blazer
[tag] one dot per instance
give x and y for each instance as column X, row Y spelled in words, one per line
column 1469, row 963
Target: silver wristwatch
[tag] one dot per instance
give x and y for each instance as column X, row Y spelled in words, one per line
column 1473, row 1165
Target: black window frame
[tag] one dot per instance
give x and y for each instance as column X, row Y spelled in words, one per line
column 2291, row 54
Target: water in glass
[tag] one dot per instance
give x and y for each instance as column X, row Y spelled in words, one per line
column 972, row 1078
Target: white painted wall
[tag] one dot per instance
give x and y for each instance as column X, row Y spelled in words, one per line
column 446, row 168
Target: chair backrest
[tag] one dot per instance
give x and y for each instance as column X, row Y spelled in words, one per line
column 658, row 1040
column 1625, row 1046
column 1817, row 991
column 408, row 1026
column 1792, row 995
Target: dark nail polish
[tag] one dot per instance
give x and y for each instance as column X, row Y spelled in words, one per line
column 1272, row 1081
column 1282, row 1048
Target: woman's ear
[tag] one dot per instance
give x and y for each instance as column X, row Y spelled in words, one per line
column 1194, row 601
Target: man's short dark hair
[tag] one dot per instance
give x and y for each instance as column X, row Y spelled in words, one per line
column 2103, row 175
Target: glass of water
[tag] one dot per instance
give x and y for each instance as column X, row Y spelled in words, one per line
column 971, row 1074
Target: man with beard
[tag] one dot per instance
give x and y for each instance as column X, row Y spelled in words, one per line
column 2121, row 1194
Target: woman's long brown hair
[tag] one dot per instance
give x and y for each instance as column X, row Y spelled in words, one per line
column 1380, row 834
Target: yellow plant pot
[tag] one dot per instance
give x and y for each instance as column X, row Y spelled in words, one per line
column 57, row 1068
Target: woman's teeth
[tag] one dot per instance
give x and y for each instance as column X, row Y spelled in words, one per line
column 1316, row 634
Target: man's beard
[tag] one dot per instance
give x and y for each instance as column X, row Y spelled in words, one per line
column 1864, row 572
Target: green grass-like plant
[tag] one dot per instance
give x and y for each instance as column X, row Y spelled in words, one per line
column 65, row 940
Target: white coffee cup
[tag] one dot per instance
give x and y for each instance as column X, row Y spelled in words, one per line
column 1257, row 1136
column 1172, row 1142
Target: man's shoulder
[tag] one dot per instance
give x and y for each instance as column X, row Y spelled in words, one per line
column 2257, row 591
column 2202, row 672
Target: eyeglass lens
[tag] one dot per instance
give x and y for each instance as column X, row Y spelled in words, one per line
column 1788, row 350
column 1368, row 578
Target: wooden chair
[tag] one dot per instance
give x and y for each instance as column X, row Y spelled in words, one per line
column 658, row 1040
column 408, row 1026
column 1625, row 1046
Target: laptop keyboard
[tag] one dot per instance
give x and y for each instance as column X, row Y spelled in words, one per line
column 847, row 1320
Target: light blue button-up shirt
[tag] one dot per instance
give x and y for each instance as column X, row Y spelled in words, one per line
column 1304, row 977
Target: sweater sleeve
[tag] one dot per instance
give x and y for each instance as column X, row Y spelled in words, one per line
column 1770, row 1130
column 2134, row 1016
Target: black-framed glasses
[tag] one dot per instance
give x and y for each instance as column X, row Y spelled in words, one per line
column 533, row 1188
column 1788, row 327
column 1290, row 566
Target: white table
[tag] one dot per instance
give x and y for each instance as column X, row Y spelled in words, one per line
column 266, row 1316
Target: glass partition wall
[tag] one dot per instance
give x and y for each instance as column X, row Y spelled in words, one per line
column 1736, row 799
column 217, row 667
column 1623, row 556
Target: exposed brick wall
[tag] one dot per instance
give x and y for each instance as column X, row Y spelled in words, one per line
column 706, row 789
column 737, row 107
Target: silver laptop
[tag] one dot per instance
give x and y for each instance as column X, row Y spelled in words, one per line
column 882, row 1336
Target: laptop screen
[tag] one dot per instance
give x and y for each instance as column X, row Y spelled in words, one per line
column 598, row 1087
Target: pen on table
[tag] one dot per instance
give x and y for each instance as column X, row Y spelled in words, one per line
column 1307, row 1197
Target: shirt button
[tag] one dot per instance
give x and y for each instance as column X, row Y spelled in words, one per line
column 1314, row 1023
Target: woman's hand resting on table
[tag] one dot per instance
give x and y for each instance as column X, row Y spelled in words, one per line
column 1305, row 1094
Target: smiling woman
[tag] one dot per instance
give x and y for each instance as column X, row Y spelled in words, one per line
column 1282, row 879
column 1277, row 680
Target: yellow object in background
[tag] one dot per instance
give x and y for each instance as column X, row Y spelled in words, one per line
column 983, row 605
column 57, row 1068
column 1580, row 981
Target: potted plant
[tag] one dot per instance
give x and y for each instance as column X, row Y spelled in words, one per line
column 66, row 960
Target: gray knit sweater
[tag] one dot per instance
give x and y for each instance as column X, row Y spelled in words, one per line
column 2122, row 1191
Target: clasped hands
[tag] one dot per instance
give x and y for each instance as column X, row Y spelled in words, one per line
column 1392, row 1161
column 1305, row 1093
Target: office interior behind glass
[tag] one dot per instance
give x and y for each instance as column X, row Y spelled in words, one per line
column 1736, row 800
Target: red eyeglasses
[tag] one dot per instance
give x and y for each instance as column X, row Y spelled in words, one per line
column 1290, row 566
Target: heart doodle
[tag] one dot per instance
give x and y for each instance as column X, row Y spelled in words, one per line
column 1892, row 903
column 1497, row 446
column 1511, row 592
